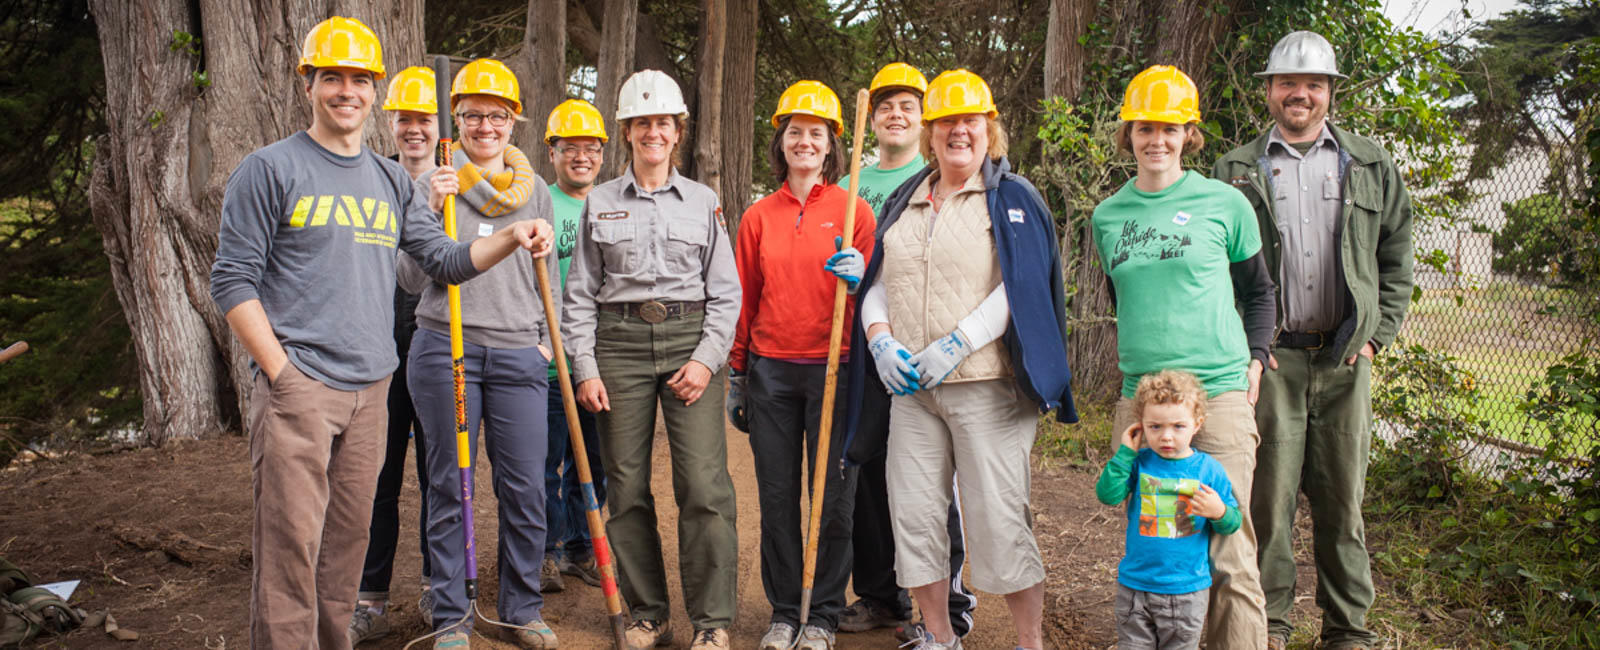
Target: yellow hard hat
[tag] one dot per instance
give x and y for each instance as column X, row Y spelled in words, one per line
column 1161, row 93
column 340, row 42
column 574, row 118
column 412, row 90
column 810, row 98
column 898, row 75
column 486, row 77
column 957, row 92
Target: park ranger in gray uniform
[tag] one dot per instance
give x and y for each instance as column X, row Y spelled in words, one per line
column 652, row 298
column 1336, row 230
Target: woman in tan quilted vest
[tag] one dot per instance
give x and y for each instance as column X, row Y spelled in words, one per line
column 967, row 271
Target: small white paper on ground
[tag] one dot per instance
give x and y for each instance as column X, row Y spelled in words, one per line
column 62, row 590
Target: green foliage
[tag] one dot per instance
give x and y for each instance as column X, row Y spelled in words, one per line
column 1536, row 240
column 80, row 379
column 1517, row 546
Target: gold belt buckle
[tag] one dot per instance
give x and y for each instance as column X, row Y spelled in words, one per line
column 653, row 312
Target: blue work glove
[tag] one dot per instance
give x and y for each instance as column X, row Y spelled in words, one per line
column 894, row 364
column 940, row 358
column 847, row 265
column 735, row 404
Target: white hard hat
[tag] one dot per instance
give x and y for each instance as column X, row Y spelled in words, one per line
column 650, row 92
column 1302, row 53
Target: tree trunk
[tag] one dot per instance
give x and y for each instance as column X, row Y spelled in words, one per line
column 616, row 63
column 708, row 100
column 544, row 58
column 159, row 173
column 1064, row 58
column 738, row 111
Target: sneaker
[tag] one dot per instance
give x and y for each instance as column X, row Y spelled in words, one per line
column 815, row 638
column 367, row 625
column 648, row 634
column 586, row 570
column 452, row 640
column 710, row 639
column 779, row 637
column 425, row 606
column 925, row 641
column 550, row 577
column 536, row 635
column 864, row 615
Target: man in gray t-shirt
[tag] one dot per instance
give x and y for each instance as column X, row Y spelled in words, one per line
column 304, row 275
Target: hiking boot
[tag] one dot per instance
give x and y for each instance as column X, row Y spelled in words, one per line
column 550, row 577
column 586, row 570
column 537, row 636
column 710, row 639
column 367, row 625
column 425, row 606
column 452, row 640
column 924, row 641
column 648, row 634
column 864, row 615
column 815, row 638
column 779, row 637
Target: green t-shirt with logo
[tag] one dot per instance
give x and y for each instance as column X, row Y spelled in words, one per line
column 877, row 183
column 567, row 210
column 1168, row 255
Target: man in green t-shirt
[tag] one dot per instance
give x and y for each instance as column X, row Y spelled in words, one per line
column 896, row 102
column 576, row 135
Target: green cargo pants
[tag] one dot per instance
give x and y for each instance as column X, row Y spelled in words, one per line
column 635, row 360
column 1315, row 418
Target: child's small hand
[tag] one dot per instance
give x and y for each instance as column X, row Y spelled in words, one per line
column 1207, row 503
column 1130, row 436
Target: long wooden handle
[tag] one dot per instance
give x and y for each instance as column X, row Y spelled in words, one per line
column 14, row 351
column 591, row 505
column 820, row 466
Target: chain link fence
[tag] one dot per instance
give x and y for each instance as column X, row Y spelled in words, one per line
column 1498, row 295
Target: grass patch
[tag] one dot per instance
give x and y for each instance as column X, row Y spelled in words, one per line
column 1085, row 444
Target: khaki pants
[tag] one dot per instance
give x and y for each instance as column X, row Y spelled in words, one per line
column 315, row 453
column 635, row 360
column 1237, row 616
column 982, row 431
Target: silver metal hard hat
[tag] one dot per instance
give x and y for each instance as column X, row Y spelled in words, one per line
column 1302, row 53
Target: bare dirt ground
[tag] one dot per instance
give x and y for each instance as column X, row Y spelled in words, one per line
column 161, row 539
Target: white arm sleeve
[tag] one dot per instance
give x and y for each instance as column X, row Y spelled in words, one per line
column 986, row 323
column 874, row 307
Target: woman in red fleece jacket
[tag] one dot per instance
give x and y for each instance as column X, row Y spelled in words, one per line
column 780, row 353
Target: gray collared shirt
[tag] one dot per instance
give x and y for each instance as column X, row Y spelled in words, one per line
column 1307, row 200
column 668, row 244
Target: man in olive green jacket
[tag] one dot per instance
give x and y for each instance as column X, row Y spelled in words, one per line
column 1336, row 221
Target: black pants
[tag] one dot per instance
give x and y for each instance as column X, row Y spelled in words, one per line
column 385, row 532
column 873, row 538
column 784, row 401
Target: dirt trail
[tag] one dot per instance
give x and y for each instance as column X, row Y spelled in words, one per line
column 161, row 539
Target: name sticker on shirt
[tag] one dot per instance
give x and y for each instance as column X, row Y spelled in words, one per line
column 612, row 216
column 1015, row 214
column 1180, row 218
column 484, row 230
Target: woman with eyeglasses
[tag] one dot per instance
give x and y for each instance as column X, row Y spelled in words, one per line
column 506, row 344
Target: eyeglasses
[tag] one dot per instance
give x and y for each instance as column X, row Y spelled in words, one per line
column 592, row 151
column 474, row 119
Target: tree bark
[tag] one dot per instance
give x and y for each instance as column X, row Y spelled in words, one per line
column 159, row 174
column 544, row 57
column 708, row 99
column 1064, row 57
column 738, row 109
column 616, row 63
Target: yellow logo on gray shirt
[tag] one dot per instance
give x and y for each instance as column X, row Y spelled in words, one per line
column 374, row 221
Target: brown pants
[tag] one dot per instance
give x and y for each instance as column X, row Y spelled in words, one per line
column 315, row 453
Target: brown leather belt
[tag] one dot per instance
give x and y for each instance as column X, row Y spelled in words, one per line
column 654, row 311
